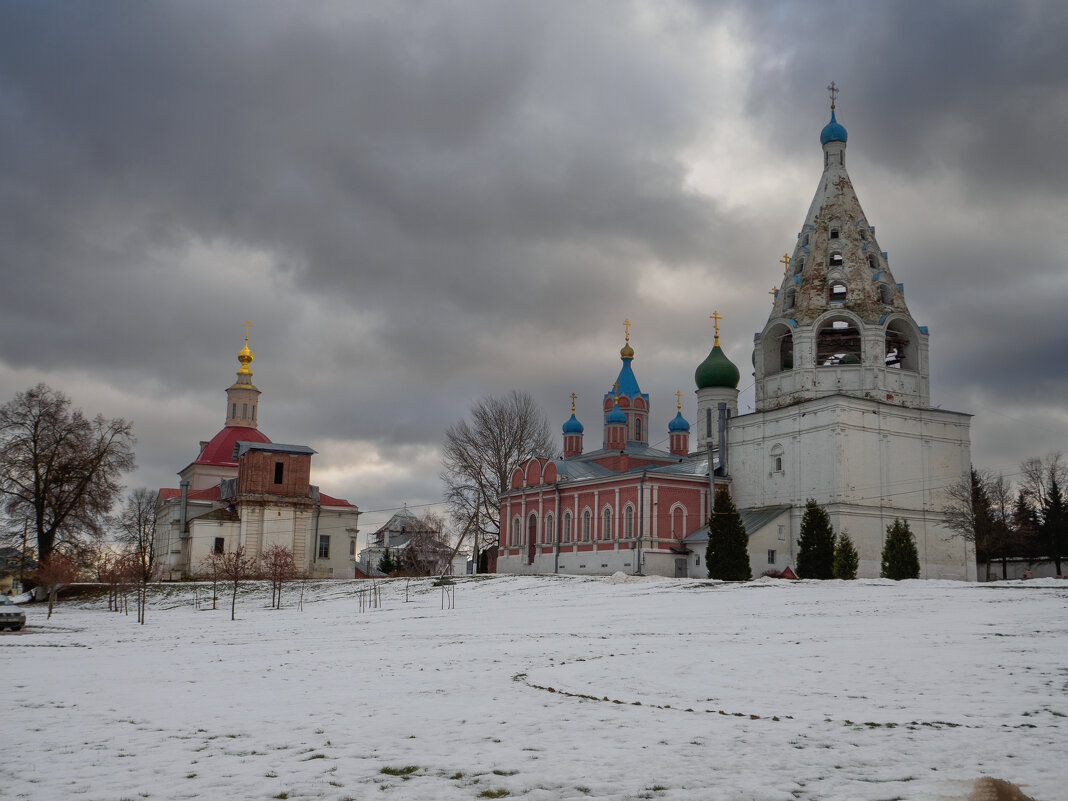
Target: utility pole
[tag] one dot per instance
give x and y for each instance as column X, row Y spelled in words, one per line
column 22, row 556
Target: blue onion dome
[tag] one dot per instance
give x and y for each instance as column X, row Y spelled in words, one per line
column 717, row 371
column 616, row 416
column 833, row 131
column 679, row 424
column 573, row 426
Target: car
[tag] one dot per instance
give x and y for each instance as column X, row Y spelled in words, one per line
column 10, row 615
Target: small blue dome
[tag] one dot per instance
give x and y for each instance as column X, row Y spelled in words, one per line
column 833, row 132
column 573, row 426
column 616, row 416
column 678, row 424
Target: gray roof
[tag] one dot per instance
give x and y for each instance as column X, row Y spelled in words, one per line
column 753, row 519
column 275, row 447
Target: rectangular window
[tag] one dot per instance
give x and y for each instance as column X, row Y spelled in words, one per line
column 279, row 467
column 220, row 544
column 782, row 533
column 352, row 547
column 771, row 556
column 233, row 410
column 324, row 546
column 708, row 422
column 254, row 411
column 244, row 410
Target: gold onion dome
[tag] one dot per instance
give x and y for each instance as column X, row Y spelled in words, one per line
column 626, row 352
column 245, row 355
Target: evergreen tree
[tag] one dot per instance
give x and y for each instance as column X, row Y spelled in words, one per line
column 727, row 556
column 387, row 564
column 1054, row 521
column 846, row 559
column 900, row 559
column 815, row 548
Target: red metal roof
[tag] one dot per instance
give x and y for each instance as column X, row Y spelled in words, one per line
column 327, row 500
column 220, row 450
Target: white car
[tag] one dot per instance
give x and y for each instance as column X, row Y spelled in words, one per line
column 10, row 615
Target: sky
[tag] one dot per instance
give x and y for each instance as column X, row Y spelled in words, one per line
column 418, row 204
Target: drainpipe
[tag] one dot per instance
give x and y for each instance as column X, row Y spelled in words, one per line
column 556, row 532
column 183, row 508
column 315, row 535
column 641, row 523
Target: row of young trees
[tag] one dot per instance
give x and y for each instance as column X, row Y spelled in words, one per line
column 821, row 554
column 1028, row 521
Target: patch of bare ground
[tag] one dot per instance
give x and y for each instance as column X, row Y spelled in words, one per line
column 990, row 789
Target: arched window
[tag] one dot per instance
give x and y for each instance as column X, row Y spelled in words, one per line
column 515, row 531
column 606, row 523
column 872, row 262
column 778, row 344
column 550, row 529
column 566, row 533
column 678, row 521
column 886, row 295
column 804, row 241
column 837, row 292
column 587, row 520
column 838, row 342
column 776, row 459
column 788, row 299
column 628, row 522
column 835, row 260
column 637, row 428
column 799, row 266
column 532, row 529
column 901, row 351
column 834, row 233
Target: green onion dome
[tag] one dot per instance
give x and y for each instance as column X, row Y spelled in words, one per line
column 717, row 371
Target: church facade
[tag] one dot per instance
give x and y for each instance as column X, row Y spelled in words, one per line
column 244, row 491
column 842, row 416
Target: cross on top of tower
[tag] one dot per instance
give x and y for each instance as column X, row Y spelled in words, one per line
column 774, row 292
column 626, row 329
column 247, row 326
column 833, row 89
column 573, row 396
column 785, row 262
column 678, row 394
column 715, row 317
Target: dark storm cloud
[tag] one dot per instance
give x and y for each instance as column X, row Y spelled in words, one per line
column 421, row 203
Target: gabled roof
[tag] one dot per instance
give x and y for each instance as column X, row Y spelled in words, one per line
column 753, row 519
column 329, row 500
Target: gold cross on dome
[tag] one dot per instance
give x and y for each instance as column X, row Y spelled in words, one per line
column 626, row 328
column 678, row 394
column 573, row 396
column 774, row 291
column 615, row 387
column 833, row 89
column 247, row 326
column 785, row 262
column 715, row 317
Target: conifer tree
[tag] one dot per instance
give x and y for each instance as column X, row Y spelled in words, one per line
column 727, row 555
column 900, row 559
column 1054, row 521
column 387, row 564
column 846, row 559
column 815, row 548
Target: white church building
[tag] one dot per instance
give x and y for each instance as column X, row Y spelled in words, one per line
column 843, row 416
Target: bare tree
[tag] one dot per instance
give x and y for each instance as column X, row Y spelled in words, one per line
column 980, row 510
column 54, row 573
column 479, row 456
column 426, row 553
column 1044, row 482
column 137, row 531
column 280, row 568
column 59, row 469
column 237, row 568
column 211, row 566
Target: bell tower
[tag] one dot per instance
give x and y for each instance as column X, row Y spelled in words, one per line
column 839, row 323
column 242, row 397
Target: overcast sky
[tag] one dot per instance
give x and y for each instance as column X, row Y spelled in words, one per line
column 421, row 203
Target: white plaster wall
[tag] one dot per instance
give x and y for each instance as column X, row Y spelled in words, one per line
column 868, row 463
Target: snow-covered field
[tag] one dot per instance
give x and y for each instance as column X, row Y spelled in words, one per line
column 546, row 688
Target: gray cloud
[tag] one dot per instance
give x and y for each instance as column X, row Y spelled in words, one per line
column 421, row 203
